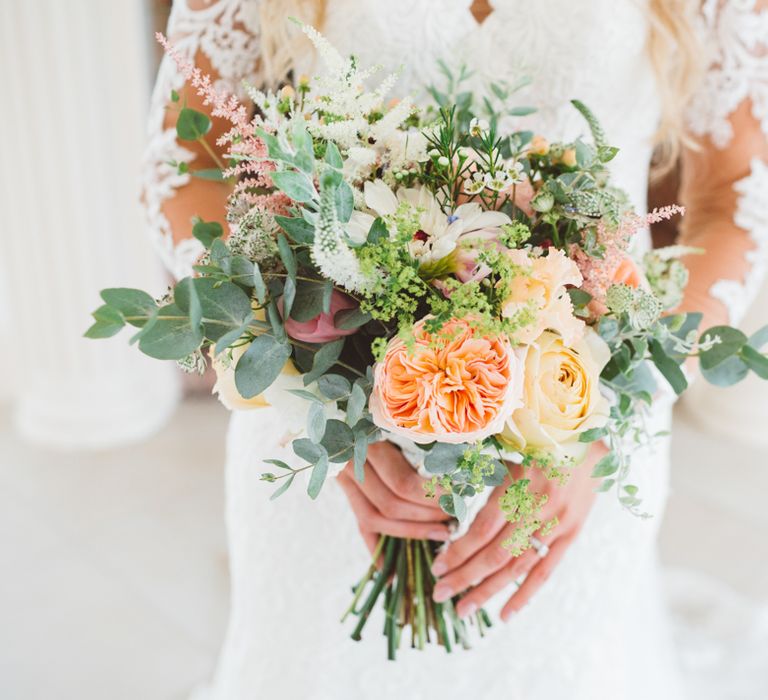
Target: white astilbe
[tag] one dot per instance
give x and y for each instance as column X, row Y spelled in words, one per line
column 330, row 252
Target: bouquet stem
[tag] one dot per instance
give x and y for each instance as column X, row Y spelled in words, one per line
column 406, row 582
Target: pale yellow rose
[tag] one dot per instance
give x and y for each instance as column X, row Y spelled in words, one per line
column 561, row 396
column 543, row 285
column 224, row 365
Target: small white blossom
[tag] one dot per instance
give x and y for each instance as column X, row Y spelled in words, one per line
column 477, row 127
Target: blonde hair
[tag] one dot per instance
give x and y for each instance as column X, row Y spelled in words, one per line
column 672, row 44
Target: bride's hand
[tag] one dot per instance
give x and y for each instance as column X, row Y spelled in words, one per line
column 391, row 500
column 478, row 561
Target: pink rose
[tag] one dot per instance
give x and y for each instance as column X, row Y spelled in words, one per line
column 321, row 328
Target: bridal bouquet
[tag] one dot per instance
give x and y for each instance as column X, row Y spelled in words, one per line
column 435, row 277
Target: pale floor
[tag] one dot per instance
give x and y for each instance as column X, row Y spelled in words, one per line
column 113, row 574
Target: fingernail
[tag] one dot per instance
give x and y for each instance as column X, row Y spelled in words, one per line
column 441, row 535
column 439, row 568
column 467, row 610
column 441, row 593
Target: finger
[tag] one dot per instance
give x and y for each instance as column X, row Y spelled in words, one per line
column 395, row 508
column 490, row 559
column 397, row 473
column 479, row 596
column 486, row 526
column 536, row 577
column 371, row 520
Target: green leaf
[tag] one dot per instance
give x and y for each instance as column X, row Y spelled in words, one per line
column 579, row 297
column 608, row 328
column 345, row 202
column 212, row 174
column 607, row 466
column 324, row 359
column 333, row 156
column 316, row 422
column 259, row 288
column 356, row 404
column 339, row 441
column 174, row 96
column 192, row 125
column 279, row 463
column 731, row 341
column 308, row 451
column 334, row 386
column 668, row 367
column 289, row 294
column 207, row 231
column 359, row 455
column 283, row 487
column 378, row 231
column 304, row 159
column 286, row 255
column 186, row 298
column 300, row 230
column 260, row 365
column 225, row 307
column 241, row 271
column 135, row 305
column 349, row 319
column 755, row 360
column 274, row 148
column 459, row 507
column 233, row 336
column 307, row 395
column 759, row 338
column 727, row 373
column 317, row 479
column 593, row 434
column 109, row 322
column 444, row 458
column 294, row 184
column 170, row 335
column 308, row 303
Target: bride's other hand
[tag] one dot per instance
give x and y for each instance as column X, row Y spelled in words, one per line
column 479, row 562
column 391, row 500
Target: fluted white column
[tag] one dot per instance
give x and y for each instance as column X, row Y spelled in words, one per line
column 75, row 82
column 739, row 412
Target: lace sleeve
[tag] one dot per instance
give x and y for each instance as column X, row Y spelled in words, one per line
column 221, row 37
column 725, row 182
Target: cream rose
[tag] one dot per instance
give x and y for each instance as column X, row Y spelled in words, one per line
column 224, row 365
column 561, row 395
column 543, row 284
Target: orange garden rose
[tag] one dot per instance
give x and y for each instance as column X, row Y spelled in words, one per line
column 453, row 387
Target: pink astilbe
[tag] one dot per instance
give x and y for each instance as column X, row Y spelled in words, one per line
column 252, row 170
column 600, row 273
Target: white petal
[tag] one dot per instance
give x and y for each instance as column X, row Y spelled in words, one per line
column 358, row 227
column 380, row 198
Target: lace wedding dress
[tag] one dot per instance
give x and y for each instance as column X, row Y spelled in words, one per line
column 597, row 630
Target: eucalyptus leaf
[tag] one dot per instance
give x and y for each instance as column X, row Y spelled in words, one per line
column 295, row 185
column 360, row 453
column 207, row 231
column 755, row 360
column 731, row 341
column 225, row 306
column 668, row 367
column 339, row 441
column 607, row 466
column 260, row 365
column 324, row 359
column 286, row 255
column 187, row 299
column 283, row 487
column 170, row 335
column 349, row 319
column 444, row 458
column 289, row 294
column 300, row 230
column 259, row 288
column 759, row 338
column 356, row 404
column 135, row 305
column 459, row 507
column 316, row 422
column 727, row 373
column 308, row 303
column 334, row 386
column 592, row 434
column 232, row 336
column 317, row 479
column 308, row 451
